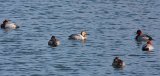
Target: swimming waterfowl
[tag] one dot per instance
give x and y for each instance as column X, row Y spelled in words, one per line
column 53, row 41
column 148, row 46
column 142, row 37
column 118, row 63
column 8, row 25
column 81, row 36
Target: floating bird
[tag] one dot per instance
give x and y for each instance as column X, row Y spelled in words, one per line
column 8, row 25
column 53, row 41
column 118, row 63
column 142, row 37
column 148, row 46
column 81, row 36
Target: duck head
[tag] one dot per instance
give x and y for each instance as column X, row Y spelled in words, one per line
column 139, row 32
column 84, row 34
column 5, row 21
column 116, row 58
column 53, row 38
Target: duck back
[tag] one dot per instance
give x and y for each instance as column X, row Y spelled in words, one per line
column 75, row 37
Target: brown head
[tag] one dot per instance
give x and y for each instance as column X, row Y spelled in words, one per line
column 5, row 21
column 149, row 42
column 84, row 34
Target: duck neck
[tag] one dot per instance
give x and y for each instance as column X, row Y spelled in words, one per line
column 149, row 42
column 85, row 37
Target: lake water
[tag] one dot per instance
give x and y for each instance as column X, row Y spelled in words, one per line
column 111, row 25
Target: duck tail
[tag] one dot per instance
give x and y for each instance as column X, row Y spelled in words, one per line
column 17, row 27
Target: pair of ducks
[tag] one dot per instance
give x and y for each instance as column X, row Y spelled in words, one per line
column 7, row 24
column 55, row 42
column 144, row 38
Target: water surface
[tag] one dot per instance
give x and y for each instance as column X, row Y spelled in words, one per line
column 111, row 25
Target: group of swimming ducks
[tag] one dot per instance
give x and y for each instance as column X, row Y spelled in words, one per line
column 117, row 62
column 148, row 46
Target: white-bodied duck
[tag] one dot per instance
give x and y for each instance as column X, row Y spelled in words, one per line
column 81, row 36
column 148, row 46
column 8, row 25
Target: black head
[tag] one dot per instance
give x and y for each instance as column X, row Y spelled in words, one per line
column 139, row 32
column 116, row 58
column 53, row 37
column 5, row 21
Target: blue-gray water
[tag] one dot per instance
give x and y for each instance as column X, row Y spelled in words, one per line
column 111, row 25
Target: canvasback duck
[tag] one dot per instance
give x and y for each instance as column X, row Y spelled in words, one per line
column 53, row 41
column 118, row 63
column 8, row 25
column 142, row 37
column 148, row 46
column 81, row 36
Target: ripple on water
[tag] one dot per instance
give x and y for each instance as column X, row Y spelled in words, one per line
column 111, row 26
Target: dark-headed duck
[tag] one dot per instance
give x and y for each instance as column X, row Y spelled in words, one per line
column 142, row 37
column 118, row 63
column 8, row 25
column 53, row 41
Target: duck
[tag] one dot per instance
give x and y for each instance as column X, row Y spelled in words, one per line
column 148, row 46
column 53, row 41
column 81, row 36
column 118, row 63
column 142, row 37
column 7, row 24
